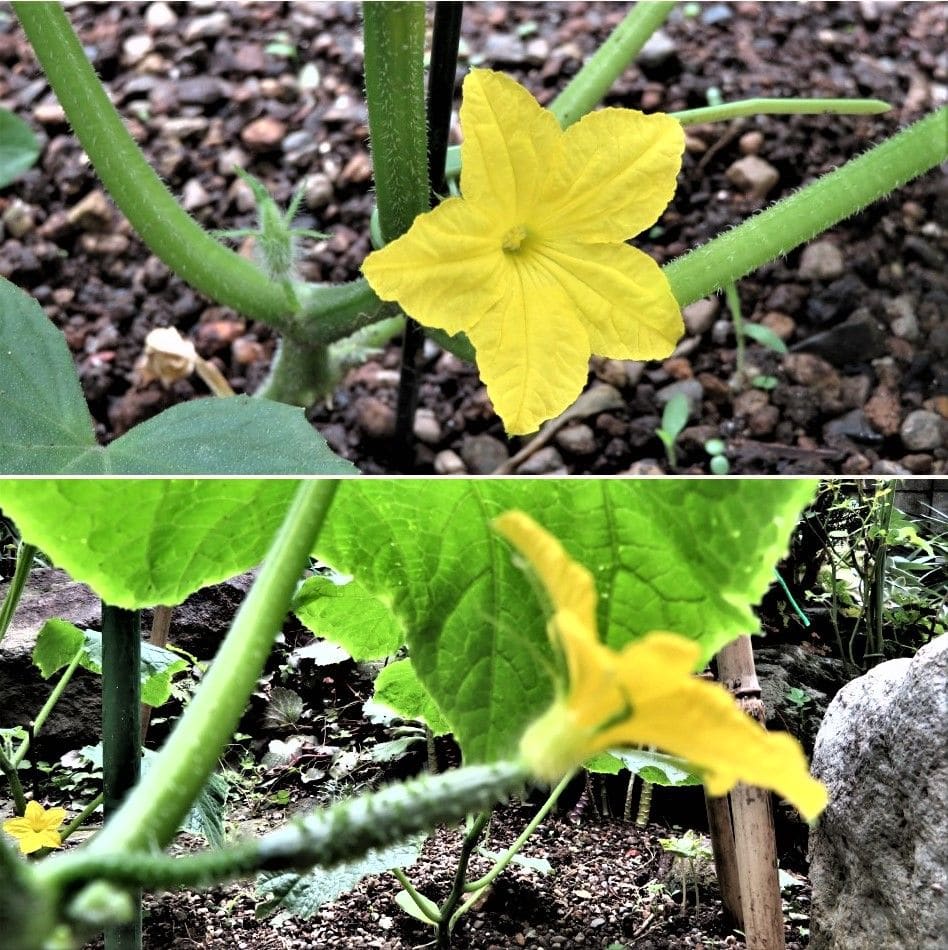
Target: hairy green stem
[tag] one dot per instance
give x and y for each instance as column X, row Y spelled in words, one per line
column 24, row 561
column 325, row 838
column 300, row 374
column 810, row 211
column 47, row 708
column 26, row 907
column 746, row 107
column 395, row 96
column 154, row 810
column 168, row 230
column 427, row 907
column 595, row 79
column 121, row 738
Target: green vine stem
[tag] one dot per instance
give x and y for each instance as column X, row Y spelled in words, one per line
column 448, row 910
column 810, row 211
column 121, row 737
column 161, row 222
column 394, row 37
column 24, row 561
column 153, row 811
column 81, row 818
column 427, row 907
column 325, row 838
column 597, row 76
column 746, row 107
column 13, row 782
column 47, row 708
column 27, row 909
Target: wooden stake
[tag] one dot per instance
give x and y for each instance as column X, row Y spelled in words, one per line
column 725, row 858
column 755, row 844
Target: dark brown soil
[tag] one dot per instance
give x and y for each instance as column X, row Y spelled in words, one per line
column 190, row 89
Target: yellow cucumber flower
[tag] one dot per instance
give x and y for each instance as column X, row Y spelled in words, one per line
column 38, row 828
column 644, row 694
column 530, row 262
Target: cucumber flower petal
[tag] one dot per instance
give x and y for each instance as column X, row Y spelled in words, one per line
column 644, row 694
column 530, row 262
column 38, row 828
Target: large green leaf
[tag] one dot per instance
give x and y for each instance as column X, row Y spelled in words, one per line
column 341, row 610
column 45, row 427
column 19, row 147
column 690, row 557
column 398, row 687
column 138, row 543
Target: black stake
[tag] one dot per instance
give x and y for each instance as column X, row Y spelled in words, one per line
column 441, row 76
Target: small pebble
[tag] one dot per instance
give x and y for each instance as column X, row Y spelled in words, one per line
column 375, row 417
column 577, row 439
column 780, row 323
column 18, row 218
column 483, row 453
column 692, row 390
column 427, row 429
column 821, row 260
column 699, row 316
column 93, row 213
column 318, row 191
column 543, row 462
column 750, row 142
column 136, row 48
column 753, row 176
column 159, row 16
column 263, row 134
column 922, row 430
column 918, row 464
column 884, row 410
column 449, row 463
column 206, row 27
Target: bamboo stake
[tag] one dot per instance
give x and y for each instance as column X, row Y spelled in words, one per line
column 725, row 858
column 755, row 844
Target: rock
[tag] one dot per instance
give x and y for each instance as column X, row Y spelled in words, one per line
column 821, row 260
column 201, row 90
column 658, row 49
column 159, row 16
column 750, row 401
column 318, row 191
column 18, row 218
column 427, row 429
column 645, row 467
column 449, row 463
column 884, row 410
column 358, row 168
column 879, row 853
column 504, row 49
column 699, row 316
column 577, row 439
column 692, row 390
column 885, row 467
column 197, row 625
column 763, row 421
column 918, row 464
column 853, row 425
column 374, row 417
column 206, row 27
column 904, row 321
column 922, row 431
column 780, row 323
column 136, row 48
column 93, row 213
column 721, row 332
column 194, row 195
column 809, row 370
column 753, row 176
column 750, row 142
column 263, row 134
column 482, row 454
column 246, row 351
column 544, row 461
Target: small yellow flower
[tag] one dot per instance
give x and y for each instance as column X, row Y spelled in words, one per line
column 645, row 694
column 38, row 828
column 530, row 262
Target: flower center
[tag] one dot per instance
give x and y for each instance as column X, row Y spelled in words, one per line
column 514, row 238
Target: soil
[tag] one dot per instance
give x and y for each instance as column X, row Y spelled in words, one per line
column 863, row 311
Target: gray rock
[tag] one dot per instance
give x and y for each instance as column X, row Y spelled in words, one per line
column 577, row 439
column 699, row 316
column 206, row 27
column 904, row 319
column 503, row 48
column 922, row 431
column 821, row 260
column 159, row 16
column 318, row 192
column 202, row 90
column 879, row 853
column 481, row 454
column 753, row 175
column 853, row 425
column 543, row 462
column 856, row 340
column 658, row 48
column 448, row 462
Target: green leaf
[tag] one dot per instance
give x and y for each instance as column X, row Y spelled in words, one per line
column 765, row 337
column 56, row 644
column 398, row 687
column 604, row 764
column 206, row 817
column 539, row 865
column 284, row 708
column 45, row 427
column 675, row 415
column 59, row 641
column 304, row 894
column 690, row 558
column 158, row 665
column 410, row 906
column 19, row 148
column 657, row 768
column 142, row 543
column 342, row 610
